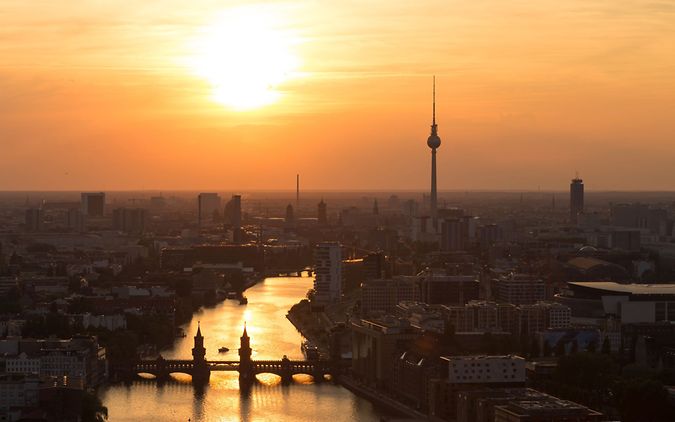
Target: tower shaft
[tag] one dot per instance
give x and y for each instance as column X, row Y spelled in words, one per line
column 434, row 194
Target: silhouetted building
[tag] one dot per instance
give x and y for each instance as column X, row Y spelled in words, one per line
column 129, row 220
column 576, row 199
column 233, row 216
column 207, row 205
column 449, row 290
column 519, row 289
column 322, row 213
column 34, row 220
column 75, row 220
column 385, row 294
column 328, row 273
column 93, row 204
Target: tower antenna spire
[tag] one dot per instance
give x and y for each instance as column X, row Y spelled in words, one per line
column 434, row 103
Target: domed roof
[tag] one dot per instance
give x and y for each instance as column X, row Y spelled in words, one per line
column 434, row 141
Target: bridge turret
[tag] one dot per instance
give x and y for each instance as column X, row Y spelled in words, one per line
column 199, row 352
column 245, row 347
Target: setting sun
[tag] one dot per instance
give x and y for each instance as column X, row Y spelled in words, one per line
column 245, row 55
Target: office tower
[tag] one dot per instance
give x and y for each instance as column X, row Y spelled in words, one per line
column 322, row 213
column 328, row 271
column 129, row 220
column 33, row 220
column 93, row 204
column 207, row 205
column 576, row 199
column 297, row 191
column 234, row 209
column 434, row 141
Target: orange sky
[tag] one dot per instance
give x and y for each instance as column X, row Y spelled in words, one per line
column 100, row 95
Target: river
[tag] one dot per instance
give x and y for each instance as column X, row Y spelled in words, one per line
column 272, row 336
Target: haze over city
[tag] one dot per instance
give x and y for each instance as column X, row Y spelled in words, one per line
column 234, row 95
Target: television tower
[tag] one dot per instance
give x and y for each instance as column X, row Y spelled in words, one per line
column 434, row 141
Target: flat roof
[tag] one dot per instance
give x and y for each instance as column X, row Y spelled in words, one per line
column 633, row 289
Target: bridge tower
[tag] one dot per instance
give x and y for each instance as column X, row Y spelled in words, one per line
column 245, row 362
column 201, row 371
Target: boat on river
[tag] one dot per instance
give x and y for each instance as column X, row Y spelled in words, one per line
column 223, row 349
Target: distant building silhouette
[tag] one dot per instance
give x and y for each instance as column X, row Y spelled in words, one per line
column 129, row 220
column 322, row 213
column 233, row 215
column 34, row 220
column 576, row 199
column 93, row 204
column 207, row 204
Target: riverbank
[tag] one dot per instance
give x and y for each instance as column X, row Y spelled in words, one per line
column 310, row 325
column 380, row 399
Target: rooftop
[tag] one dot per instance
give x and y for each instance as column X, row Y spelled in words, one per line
column 632, row 289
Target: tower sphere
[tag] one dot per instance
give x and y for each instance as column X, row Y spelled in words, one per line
column 434, row 141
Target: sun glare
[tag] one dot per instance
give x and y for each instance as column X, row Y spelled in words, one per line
column 246, row 55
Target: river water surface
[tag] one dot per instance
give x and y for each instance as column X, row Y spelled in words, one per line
column 272, row 336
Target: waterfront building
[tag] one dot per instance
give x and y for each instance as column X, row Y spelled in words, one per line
column 376, row 343
column 384, row 294
column 79, row 360
column 328, row 273
column 464, row 373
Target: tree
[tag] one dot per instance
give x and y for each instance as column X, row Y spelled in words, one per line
column 560, row 348
column 575, row 347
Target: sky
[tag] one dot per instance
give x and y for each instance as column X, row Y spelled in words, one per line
column 232, row 95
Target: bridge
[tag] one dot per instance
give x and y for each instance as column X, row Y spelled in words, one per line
column 200, row 369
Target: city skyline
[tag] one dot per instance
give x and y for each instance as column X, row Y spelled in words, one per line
column 99, row 98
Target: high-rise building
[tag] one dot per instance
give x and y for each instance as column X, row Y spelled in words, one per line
column 322, row 213
column 328, row 272
column 93, row 204
column 233, row 217
column 129, row 220
column 434, row 141
column 207, row 205
column 33, row 220
column 576, row 199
